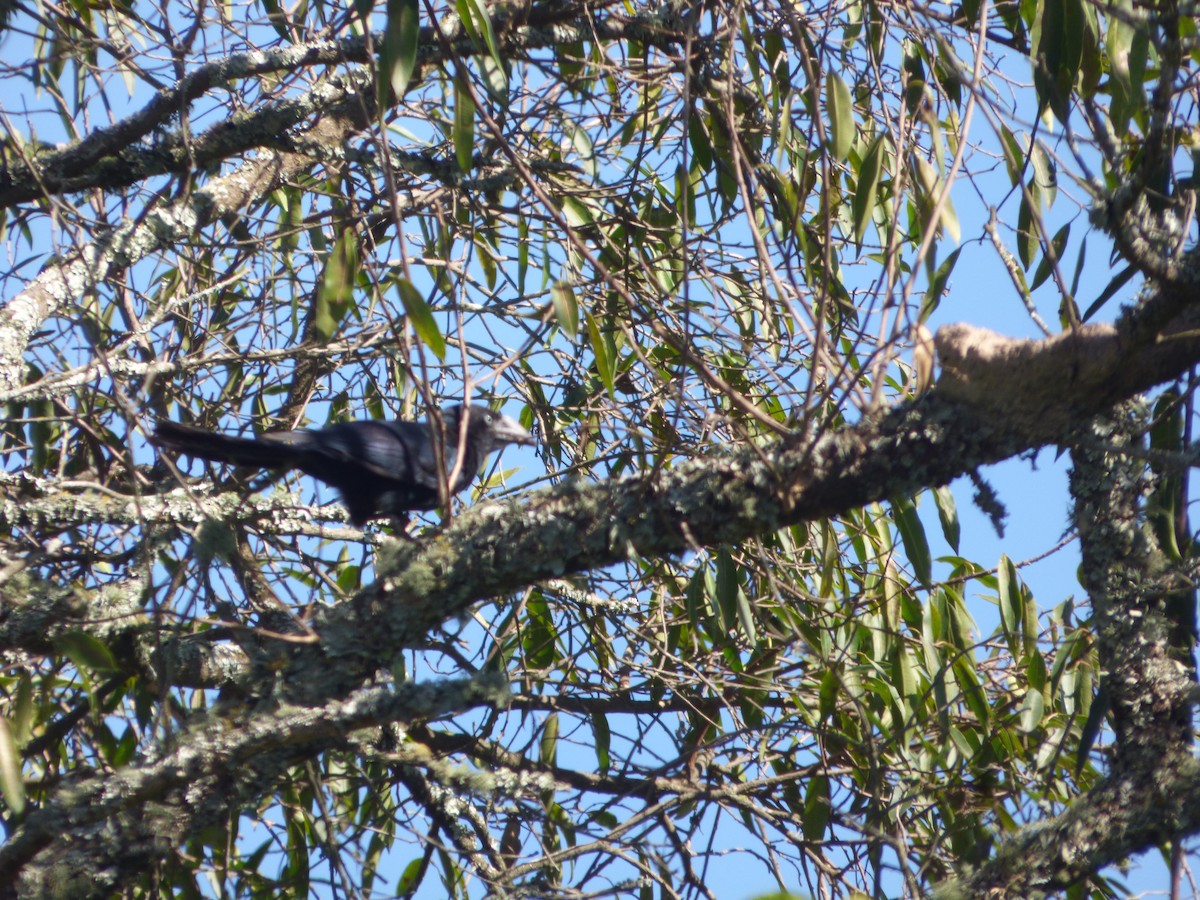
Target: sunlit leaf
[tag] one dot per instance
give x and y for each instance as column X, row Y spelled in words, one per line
column 410, row 878
column 87, row 651
column 1058, row 246
column 603, row 739
column 12, row 782
column 398, row 55
column 912, row 535
column 1008, row 592
column 1045, row 174
column 1027, row 235
column 1128, row 51
column 335, row 294
column 464, row 125
column 863, row 204
column 566, row 307
column 841, row 115
column 548, row 745
column 22, row 709
column 1032, row 711
column 1014, row 155
column 817, row 808
column 605, row 357
column 420, row 316
column 475, row 14
column 745, row 615
column 943, row 497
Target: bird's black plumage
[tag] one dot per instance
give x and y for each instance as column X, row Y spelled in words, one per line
column 380, row 468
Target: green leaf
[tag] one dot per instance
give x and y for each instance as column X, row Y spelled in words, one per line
column 1045, row 174
column 603, row 738
column 937, row 286
column 486, row 258
column 12, row 783
column 912, row 535
column 22, row 716
column 464, row 125
column 522, row 252
column 1092, row 725
column 1008, row 592
column 863, row 205
column 1058, row 55
column 87, row 651
column 943, row 498
column 278, row 19
column 1058, row 245
column 1167, row 436
column 335, row 293
column 1029, row 624
column 566, row 307
column 728, row 585
column 1117, row 282
column 421, row 317
column 548, row 747
column 817, row 808
column 1014, row 155
column 1027, row 236
column 699, row 141
column 695, row 597
column 1079, row 261
column 495, row 78
column 479, row 25
column 746, row 617
column 410, row 878
column 1032, row 711
column 539, row 638
column 1128, row 53
column 841, row 116
column 605, row 355
column 398, row 55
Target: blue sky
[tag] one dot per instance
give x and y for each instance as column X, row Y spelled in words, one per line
column 1034, row 490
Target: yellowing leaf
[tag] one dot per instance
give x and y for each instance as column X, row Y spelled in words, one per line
column 566, row 307
column 12, row 784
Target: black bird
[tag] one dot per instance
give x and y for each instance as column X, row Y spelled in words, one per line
column 380, row 468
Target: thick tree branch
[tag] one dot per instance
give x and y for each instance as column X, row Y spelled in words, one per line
column 211, row 767
column 1150, row 797
column 119, row 155
column 133, row 240
column 970, row 419
column 1120, row 816
column 997, row 397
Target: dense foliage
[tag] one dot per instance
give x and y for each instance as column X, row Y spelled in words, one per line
column 701, row 647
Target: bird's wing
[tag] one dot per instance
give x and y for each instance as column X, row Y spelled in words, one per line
column 396, row 451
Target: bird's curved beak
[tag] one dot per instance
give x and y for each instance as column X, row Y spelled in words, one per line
column 509, row 431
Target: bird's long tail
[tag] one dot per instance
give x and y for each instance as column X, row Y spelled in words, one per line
column 257, row 453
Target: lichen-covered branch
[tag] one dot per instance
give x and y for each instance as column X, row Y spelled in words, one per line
column 496, row 548
column 340, row 99
column 59, row 851
column 1152, row 793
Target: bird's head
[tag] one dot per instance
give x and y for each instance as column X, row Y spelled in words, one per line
column 497, row 428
